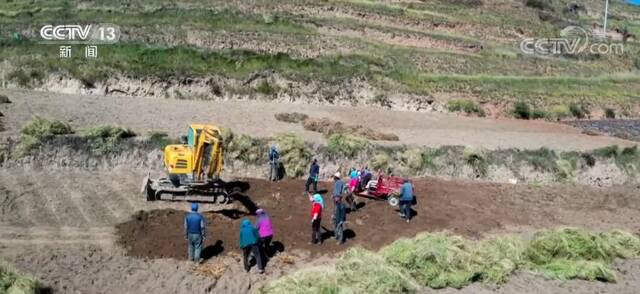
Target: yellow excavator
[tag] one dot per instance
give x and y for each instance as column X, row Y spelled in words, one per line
column 193, row 169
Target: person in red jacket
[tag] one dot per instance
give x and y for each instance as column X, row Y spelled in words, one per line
column 316, row 218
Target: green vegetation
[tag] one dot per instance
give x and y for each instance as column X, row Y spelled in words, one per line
column 477, row 161
column 522, row 110
column 295, row 154
column 627, row 159
column 579, row 110
column 466, row 106
column 566, row 169
column 330, row 127
column 609, row 113
column 33, row 135
column 346, row 145
column 107, row 139
column 13, row 283
column 439, row 260
column 265, row 88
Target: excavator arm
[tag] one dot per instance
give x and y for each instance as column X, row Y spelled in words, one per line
column 208, row 154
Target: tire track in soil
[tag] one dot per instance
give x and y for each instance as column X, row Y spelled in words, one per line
column 67, row 236
column 35, row 208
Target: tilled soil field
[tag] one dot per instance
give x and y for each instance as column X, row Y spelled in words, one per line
column 92, row 232
column 622, row 128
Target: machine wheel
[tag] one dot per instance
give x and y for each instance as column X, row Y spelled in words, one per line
column 393, row 201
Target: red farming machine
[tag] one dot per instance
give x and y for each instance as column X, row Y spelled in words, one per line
column 383, row 188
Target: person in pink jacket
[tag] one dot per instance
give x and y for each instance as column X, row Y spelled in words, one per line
column 265, row 230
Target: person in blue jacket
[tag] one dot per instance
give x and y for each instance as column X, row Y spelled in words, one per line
column 249, row 242
column 406, row 199
column 274, row 163
column 195, row 232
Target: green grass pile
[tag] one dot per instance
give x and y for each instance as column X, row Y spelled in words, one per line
column 39, row 129
column 106, row 139
column 14, row 283
column 577, row 254
column 321, row 280
column 294, row 154
column 439, row 260
column 346, row 145
column 363, row 271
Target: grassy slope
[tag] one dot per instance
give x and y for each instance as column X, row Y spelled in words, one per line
column 497, row 72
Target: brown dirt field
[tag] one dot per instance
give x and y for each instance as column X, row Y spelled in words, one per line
column 470, row 209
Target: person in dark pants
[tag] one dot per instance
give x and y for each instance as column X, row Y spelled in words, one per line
column 316, row 218
column 339, row 218
column 274, row 164
column 249, row 242
column 265, row 230
column 194, row 227
column 314, row 171
column 406, row 199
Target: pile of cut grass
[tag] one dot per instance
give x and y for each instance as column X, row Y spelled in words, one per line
column 329, row 127
column 294, row 154
column 14, row 283
column 439, row 260
column 33, row 134
column 291, row 117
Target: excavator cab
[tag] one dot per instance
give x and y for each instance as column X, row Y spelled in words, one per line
column 192, row 168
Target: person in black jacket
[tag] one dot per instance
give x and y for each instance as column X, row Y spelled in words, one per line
column 314, row 172
column 339, row 219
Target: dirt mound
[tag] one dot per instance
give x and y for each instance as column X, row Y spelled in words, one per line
column 464, row 209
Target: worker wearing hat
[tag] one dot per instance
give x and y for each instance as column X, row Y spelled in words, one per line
column 194, row 226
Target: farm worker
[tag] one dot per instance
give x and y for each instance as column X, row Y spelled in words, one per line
column 274, row 163
column 353, row 184
column 365, row 177
column 339, row 218
column 265, row 231
column 338, row 185
column 194, row 226
column 314, row 171
column 249, row 242
column 316, row 218
column 406, row 198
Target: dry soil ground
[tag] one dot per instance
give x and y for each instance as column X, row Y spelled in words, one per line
column 61, row 226
column 257, row 119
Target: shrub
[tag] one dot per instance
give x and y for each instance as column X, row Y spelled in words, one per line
column 607, row 152
column 106, row 139
column 464, row 105
column 346, row 145
column 246, row 149
column 578, row 110
column 291, row 117
column 521, row 110
column 295, row 154
column 609, row 113
column 39, row 129
column 4, row 99
column 413, row 158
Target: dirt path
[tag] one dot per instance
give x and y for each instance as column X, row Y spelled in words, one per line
column 251, row 117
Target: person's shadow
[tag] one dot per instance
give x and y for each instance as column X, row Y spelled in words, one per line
column 212, row 250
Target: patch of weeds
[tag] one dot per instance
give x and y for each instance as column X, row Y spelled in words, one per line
column 521, row 110
column 346, row 145
column 107, row 139
column 542, row 159
column 20, row 77
column 466, row 106
column 246, row 149
column 539, row 4
column 291, row 117
column 37, row 131
column 579, row 110
column 558, row 112
column 381, row 100
column 265, row 88
column 628, row 159
column 329, row 127
column 11, row 282
column 609, row 113
column 476, row 161
column 413, row 158
column 566, row 169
